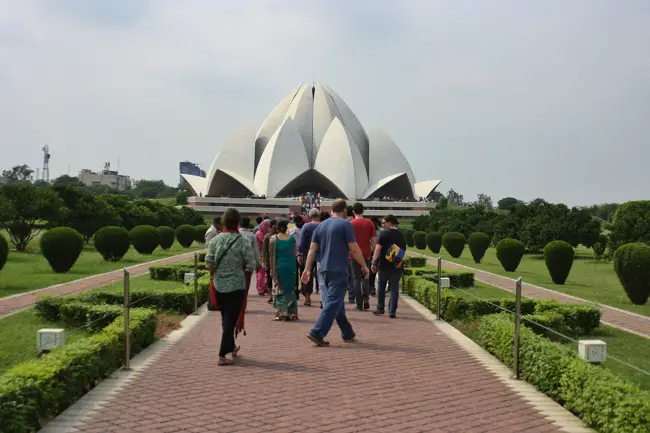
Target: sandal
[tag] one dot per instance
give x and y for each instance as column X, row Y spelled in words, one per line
column 224, row 361
column 236, row 351
column 307, row 304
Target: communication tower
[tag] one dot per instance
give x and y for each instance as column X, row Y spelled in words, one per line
column 46, row 163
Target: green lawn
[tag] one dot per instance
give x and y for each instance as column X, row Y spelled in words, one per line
column 140, row 283
column 29, row 271
column 18, row 337
column 589, row 279
column 167, row 201
column 621, row 345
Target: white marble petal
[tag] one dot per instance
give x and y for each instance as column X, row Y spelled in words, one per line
column 236, row 158
column 283, row 160
column 301, row 110
column 426, row 187
column 386, row 158
column 340, row 160
column 198, row 185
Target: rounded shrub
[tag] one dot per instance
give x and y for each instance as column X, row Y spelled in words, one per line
column 558, row 256
column 632, row 265
column 200, row 233
column 145, row 239
column 478, row 244
column 4, row 251
column 419, row 240
column 61, row 248
column 509, row 252
column 185, row 235
column 167, row 237
column 112, row 242
column 454, row 243
column 408, row 237
column 434, row 241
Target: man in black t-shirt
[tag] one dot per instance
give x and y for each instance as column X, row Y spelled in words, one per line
column 388, row 273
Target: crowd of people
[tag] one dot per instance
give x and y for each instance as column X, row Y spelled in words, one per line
column 337, row 254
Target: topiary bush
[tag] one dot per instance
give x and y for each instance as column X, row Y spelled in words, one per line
column 478, row 244
column 454, row 243
column 112, row 242
column 419, row 239
column 434, row 241
column 167, row 237
column 509, row 252
column 558, row 256
column 408, row 237
column 61, row 248
column 200, row 233
column 632, row 265
column 4, row 251
column 185, row 235
column 145, row 239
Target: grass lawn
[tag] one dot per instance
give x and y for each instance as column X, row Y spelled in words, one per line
column 29, row 271
column 589, row 279
column 18, row 337
column 167, row 201
column 621, row 345
column 142, row 282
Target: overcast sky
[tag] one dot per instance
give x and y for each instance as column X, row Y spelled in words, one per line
column 524, row 98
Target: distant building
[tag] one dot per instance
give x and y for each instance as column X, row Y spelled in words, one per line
column 105, row 177
column 187, row 167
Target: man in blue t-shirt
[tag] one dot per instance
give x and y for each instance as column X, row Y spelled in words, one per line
column 333, row 242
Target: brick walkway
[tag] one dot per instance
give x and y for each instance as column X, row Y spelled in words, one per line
column 23, row 301
column 618, row 318
column 400, row 375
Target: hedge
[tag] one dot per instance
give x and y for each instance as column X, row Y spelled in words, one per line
column 454, row 243
column 419, row 239
column 558, row 256
column 576, row 318
column 4, row 251
column 199, row 233
column 38, row 390
column 145, row 239
column 462, row 279
column 112, row 242
column 632, row 266
column 602, row 400
column 61, row 247
column 173, row 272
column 478, row 243
column 434, row 241
column 185, row 234
column 167, row 237
column 415, row 262
column 408, row 237
column 510, row 253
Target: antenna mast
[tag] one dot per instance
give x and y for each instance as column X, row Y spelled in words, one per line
column 46, row 164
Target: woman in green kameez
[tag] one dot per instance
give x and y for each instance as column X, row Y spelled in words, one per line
column 282, row 252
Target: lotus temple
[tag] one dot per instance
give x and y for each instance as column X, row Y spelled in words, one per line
column 310, row 142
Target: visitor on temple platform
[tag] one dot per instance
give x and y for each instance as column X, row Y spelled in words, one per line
column 282, row 257
column 364, row 234
column 214, row 230
column 273, row 230
column 306, row 235
column 389, row 251
column 228, row 257
column 332, row 242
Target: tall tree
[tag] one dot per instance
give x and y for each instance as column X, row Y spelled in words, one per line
column 18, row 173
column 68, row 180
column 485, row 201
column 455, row 198
column 507, row 203
column 28, row 209
column 153, row 189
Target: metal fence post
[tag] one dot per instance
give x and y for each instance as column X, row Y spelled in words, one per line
column 196, row 284
column 515, row 349
column 127, row 320
column 438, row 289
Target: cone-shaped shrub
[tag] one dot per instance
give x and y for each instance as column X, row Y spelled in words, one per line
column 199, row 233
column 632, row 265
column 408, row 237
column 61, row 248
column 558, row 256
column 509, row 253
column 145, row 239
column 167, row 237
column 434, row 241
column 454, row 243
column 185, row 235
column 112, row 242
column 4, row 251
column 478, row 244
column 419, row 239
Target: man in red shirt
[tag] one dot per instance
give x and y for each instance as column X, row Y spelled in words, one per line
column 365, row 235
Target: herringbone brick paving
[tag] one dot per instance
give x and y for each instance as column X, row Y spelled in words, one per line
column 401, row 375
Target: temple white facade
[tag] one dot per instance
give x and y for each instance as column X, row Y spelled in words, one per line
column 311, row 141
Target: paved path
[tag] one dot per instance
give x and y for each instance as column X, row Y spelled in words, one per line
column 15, row 303
column 402, row 375
column 621, row 319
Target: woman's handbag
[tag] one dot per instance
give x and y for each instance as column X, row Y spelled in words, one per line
column 213, row 302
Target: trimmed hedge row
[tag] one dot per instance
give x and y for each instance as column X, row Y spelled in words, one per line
column 38, row 390
column 173, row 272
column 602, row 400
column 462, row 279
column 415, row 262
column 574, row 318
